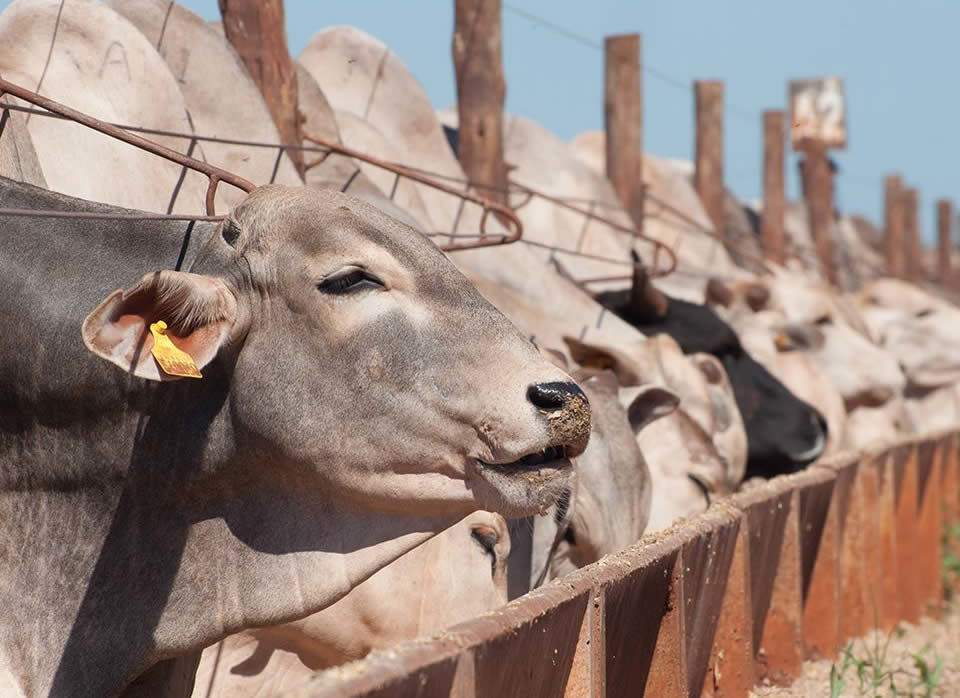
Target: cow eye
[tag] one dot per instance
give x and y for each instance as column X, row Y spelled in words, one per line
column 823, row 320
column 924, row 313
column 349, row 280
column 487, row 539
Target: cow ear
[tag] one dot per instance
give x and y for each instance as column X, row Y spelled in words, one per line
column 199, row 312
column 600, row 357
column 649, row 403
column 718, row 293
column 757, row 296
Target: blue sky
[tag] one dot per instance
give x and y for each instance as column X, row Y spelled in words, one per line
column 898, row 60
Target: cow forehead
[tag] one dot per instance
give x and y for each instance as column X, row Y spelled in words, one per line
column 319, row 220
column 892, row 293
column 800, row 301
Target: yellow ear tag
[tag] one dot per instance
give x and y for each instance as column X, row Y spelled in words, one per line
column 783, row 342
column 173, row 360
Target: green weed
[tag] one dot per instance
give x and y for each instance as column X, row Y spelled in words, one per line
column 872, row 674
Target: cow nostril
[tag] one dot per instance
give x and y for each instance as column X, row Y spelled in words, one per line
column 553, row 396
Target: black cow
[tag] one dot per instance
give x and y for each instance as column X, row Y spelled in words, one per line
column 784, row 434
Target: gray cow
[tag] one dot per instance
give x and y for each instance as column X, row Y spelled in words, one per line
column 358, row 395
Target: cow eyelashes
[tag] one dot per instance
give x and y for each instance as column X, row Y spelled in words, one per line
column 822, row 320
column 487, row 540
column 923, row 313
column 349, row 280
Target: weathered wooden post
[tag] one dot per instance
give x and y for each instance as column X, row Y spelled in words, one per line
column 913, row 252
column 818, row 122
column 256, row 30
column 623, row 120
column 481, row 90
column 819, row 193
column 893, row 225
column 708, row 175
column 944, row 240
column 771, row 222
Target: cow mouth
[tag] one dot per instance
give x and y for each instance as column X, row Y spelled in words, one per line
column 527, row 485
column 554, row 457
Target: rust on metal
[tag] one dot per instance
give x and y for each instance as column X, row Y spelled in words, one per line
column 214, row 174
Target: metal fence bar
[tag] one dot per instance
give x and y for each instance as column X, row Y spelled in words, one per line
column 214, row 174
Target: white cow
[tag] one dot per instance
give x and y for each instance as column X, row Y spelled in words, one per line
column 102, row 65
column 923, row 332
column 221, row 97
column 454, row 576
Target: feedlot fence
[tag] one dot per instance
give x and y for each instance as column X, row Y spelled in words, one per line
column 766, row 578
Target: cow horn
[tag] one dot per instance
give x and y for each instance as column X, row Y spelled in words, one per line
column 645, row 299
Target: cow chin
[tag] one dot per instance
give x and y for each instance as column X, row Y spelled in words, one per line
column 515, row 492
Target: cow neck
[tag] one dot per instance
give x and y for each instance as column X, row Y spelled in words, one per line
column 174, row 552
column 148, row 588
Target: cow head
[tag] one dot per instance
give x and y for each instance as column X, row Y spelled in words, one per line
column 783, row 433
column 700, row 380
column 356, row 360
column 920, row 330
column 807, row 317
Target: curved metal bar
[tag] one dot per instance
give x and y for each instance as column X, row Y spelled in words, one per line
column 504, row 214
column 677, row 213
column 627, row 230
column 214, row 174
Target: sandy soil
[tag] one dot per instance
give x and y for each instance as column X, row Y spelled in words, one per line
column 931, row 639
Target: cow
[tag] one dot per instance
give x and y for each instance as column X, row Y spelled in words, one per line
column 457, row 575
column 784, row 434
column 921, row 333
column 96, row 61
column 613, row 492
column 682, row 448
column 783, row 348
column 824, row 326
column 357, row 396
column 219, row 95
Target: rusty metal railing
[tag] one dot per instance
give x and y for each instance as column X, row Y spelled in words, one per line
column 483, row 239
column 214, row 174
column 129, row 134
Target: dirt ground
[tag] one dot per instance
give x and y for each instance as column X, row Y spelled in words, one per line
column 931, row 640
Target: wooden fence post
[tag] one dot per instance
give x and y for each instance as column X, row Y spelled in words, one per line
column 623, row 120
column 773, row 189
column 893, row 226
column 708, row 175
column 819, row 193
column 256, row 30
column 944, row 240
column 481, row 90
column 911, row 235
